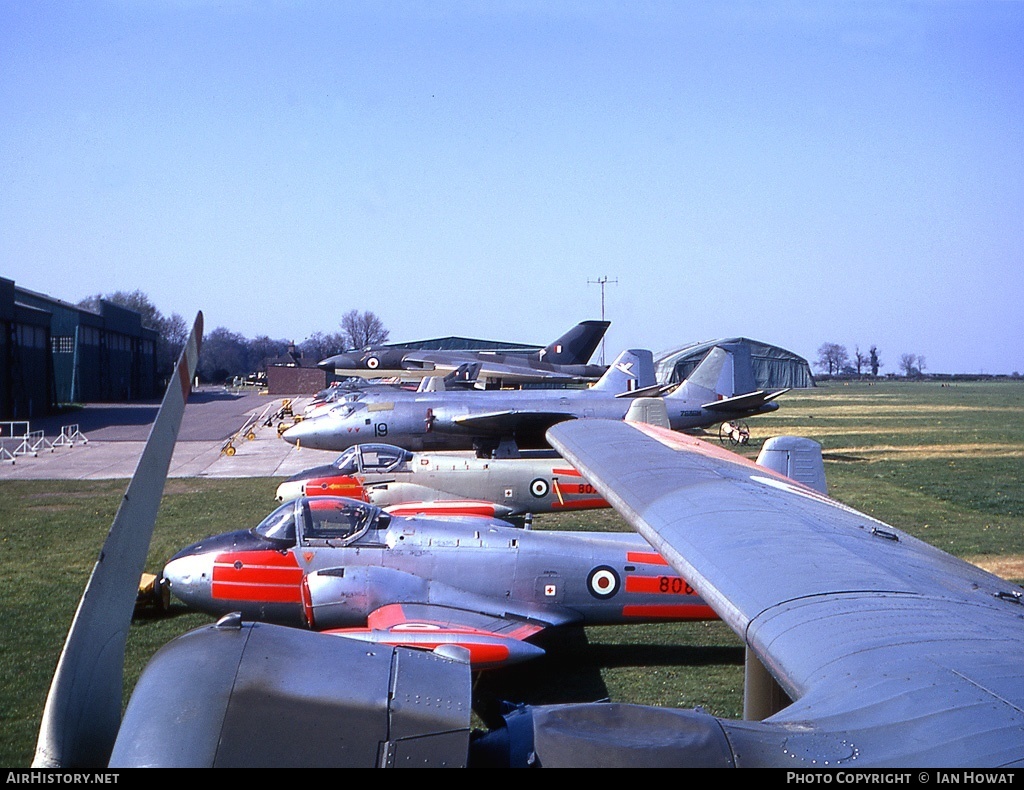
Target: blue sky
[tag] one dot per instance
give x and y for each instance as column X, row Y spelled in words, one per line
column 793, row 172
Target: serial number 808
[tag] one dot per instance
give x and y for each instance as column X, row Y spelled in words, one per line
column 674, row 585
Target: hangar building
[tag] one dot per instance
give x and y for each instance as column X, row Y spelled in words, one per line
column 54, row 352
column 758, row 365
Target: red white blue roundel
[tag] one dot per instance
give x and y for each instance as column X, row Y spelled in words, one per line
column 603, row 582
column 539, row 487
column 372, row 363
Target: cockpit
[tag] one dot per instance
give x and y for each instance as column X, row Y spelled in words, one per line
column 322, row 521
column 371, row 458
column 345, row 409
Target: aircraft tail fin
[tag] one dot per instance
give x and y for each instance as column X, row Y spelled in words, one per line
column 632, row 370
column 83, row 708
column 463, row 377
column 712, row 379
column 576, row 346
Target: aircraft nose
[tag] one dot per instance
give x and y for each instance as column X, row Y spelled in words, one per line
column 190, row 577
column 315, row 433
column 337, row 362
column 303, row 432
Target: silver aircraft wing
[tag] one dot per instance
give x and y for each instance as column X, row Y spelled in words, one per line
column 890, row 651
column 509, row 422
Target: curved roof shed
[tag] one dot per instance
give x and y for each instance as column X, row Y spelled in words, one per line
column 758, row 365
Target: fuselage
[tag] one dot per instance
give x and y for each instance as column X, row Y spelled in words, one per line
column 303, row 577
column 464, row 420
column 453, row 483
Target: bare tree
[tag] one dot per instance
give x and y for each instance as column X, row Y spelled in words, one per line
column 262, row 348
column 320, row 346
column 832, row 358
column 910, row 365
column 224, row 354
column 859, row 360
column 362, row 329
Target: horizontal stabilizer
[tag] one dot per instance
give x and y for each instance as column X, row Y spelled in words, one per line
column 749, row 402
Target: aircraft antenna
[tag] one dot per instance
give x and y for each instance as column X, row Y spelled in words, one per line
column 602, row 281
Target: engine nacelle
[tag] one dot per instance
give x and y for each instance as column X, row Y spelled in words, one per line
column 257, row 695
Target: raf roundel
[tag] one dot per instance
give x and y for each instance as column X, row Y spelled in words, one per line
column 603, row 582
column 539, row 487
column 372, row 363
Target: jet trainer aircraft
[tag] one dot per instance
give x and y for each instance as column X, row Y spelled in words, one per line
column 893, row 653
column 566, row 359
column 406, row 483
column 333, row 563
column 485, row 421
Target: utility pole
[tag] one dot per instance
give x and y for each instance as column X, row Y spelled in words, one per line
column 602, row 281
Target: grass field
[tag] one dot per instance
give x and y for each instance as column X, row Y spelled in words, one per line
column 944, row 463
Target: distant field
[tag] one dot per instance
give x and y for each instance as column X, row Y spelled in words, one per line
column 944, row 463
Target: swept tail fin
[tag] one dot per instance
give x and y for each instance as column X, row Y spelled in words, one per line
column 711, row 380
column 576, row 346
column 83, row 708
column 632, row 370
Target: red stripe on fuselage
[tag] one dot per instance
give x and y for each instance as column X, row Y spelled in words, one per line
column 670, row 612
column 646, row 557
column 257, row 576
column 658, row 585
column 579, row 504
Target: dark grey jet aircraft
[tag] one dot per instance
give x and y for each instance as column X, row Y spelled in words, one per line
column 566, row 360
column 487, row 421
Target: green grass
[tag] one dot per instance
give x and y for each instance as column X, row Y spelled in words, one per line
column 946, row 464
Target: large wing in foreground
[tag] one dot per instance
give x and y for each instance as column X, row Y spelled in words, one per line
column 894, row 652
column 83, row 707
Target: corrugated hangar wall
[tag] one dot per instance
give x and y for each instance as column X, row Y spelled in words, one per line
column 758, row 365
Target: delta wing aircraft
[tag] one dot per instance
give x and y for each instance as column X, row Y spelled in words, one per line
column 892, row 652
column 488, row 422
column 566, row 359
column 406, row 483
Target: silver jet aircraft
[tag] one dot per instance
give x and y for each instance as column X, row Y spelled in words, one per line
column 566, row 359
column 487, row 421
column 406, row 483
column 347, row 567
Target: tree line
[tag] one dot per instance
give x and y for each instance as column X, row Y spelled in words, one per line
column 226, row 354
column 835, row 360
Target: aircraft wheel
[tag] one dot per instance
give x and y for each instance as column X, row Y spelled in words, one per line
column 250, row 436
column 229, row 450
column 724, row 432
